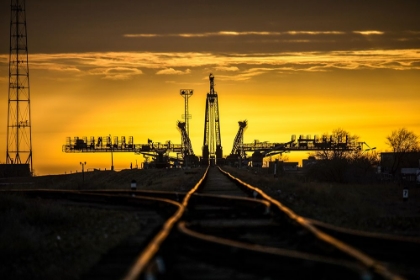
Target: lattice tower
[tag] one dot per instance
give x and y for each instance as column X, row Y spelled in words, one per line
column 19, row 140
column 186, row 94
column 212, row 145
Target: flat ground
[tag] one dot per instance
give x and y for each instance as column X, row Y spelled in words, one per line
column 146, row 179
column 44, row 239
column 370, row 207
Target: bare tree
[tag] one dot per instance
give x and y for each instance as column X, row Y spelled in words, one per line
column 402, row 142
column 334, row 161
column 343, row 140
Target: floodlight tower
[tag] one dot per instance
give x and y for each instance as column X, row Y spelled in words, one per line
column 19, row 142
column 212, row 144
column 186, row 94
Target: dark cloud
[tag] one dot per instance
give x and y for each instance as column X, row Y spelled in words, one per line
column 100, row 25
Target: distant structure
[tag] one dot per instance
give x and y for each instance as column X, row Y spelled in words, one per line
column 19, row 140
column 189, row 159
column 212, row 147
column 212, row 144
column 238, row 154
column 186, row 94
column 395, row 163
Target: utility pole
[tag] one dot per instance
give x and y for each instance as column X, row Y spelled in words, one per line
column 19, row 139
column 112, row 155
column 83, row 171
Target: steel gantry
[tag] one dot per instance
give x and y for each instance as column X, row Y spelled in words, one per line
column 324, row 143
column 187, row 151
column 158, row 151
column 260, row 150
column 238, row 154
column 212, row 148
column 212, row 144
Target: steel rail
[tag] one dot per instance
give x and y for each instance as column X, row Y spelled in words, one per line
column 371, row 235
column 258, row 253
column 88, row 196
column 366, row 260
column 173, row 195
column 179, row 196
column 141, row 264
column 396, row 250
column 107, row 199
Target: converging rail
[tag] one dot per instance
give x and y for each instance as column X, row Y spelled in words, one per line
column 153, row 213
column 224, row 228
column 216, row 238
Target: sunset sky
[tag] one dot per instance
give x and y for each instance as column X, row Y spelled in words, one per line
column 103, row 67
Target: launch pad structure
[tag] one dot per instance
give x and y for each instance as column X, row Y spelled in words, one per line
column 212, row 151
column 212, row 144
column 19, row 126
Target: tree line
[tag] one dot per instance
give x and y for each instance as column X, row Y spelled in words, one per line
column 360, row 166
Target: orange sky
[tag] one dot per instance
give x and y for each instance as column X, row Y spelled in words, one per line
column 311, row 84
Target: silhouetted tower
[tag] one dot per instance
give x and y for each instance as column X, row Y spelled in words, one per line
column 19, row 142
column 212, row 144
column 186, row 142
column 186, row 94
column 238, row 142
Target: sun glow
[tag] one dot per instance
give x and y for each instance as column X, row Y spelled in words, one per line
column 280, row 94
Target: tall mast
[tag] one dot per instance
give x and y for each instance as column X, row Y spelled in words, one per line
column 19, row 140
column 212, row 145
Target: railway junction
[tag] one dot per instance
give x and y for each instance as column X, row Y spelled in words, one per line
column 223, row 228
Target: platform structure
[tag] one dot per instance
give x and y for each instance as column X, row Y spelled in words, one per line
column 212, row 151
column 261, row 150
column 160, row 152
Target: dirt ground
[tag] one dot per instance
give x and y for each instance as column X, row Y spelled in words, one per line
column 43, row 239
column 370, row 207
column 378, row 207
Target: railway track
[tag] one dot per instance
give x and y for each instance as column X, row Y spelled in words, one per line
column 216, row 240
column 224, row 228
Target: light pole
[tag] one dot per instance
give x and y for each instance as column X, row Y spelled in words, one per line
column 83, row 171
column 112, row 154
column 370, row 149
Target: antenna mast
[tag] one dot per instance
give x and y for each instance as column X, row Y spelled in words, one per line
column 19, row 142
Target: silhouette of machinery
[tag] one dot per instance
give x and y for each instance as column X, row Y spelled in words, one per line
column 188, row 156
column 260, row 150
column 237, row 155
column 212, row 147
column 212, row 144
column 105, row 144
column 160, row 153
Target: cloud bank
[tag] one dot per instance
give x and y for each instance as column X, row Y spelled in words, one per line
column 125, row 65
